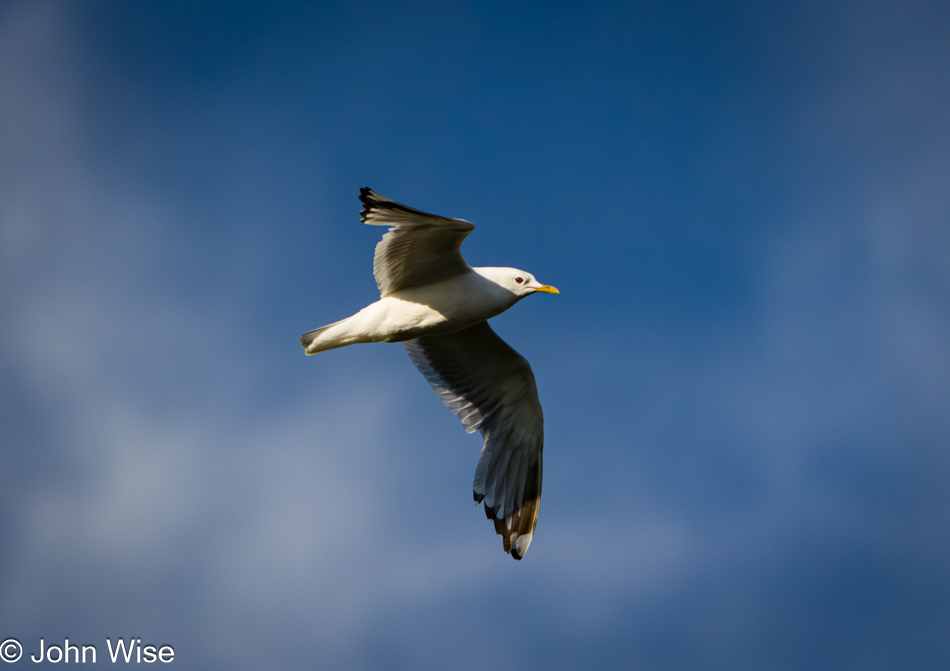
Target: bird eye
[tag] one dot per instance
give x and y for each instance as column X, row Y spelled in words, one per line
column 519, row 280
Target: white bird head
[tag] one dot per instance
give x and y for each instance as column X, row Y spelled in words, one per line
column 518, row 282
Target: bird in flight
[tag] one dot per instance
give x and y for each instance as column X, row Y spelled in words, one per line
column 437, row 306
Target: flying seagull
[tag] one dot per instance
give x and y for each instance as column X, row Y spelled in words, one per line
column 437, row 306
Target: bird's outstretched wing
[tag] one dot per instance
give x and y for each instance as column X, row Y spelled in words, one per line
column 491, row 388
column 418, row 249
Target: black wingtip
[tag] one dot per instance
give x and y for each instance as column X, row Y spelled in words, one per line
column 373, row 201
column 370, row 199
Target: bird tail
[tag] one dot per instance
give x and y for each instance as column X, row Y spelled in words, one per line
column 311, row 340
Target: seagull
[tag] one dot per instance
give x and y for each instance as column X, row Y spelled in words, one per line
column 437, row 306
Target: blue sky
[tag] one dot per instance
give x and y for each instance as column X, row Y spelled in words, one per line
column 745, row 378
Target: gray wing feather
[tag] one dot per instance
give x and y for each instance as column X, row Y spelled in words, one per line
column 419, row 248
column 491, row 388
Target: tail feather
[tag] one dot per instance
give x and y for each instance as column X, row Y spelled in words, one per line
column 308, row 340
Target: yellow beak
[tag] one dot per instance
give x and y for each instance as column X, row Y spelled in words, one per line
column 547, row 289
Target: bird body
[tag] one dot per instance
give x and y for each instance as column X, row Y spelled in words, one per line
column 438, row 306
column 430, row 309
